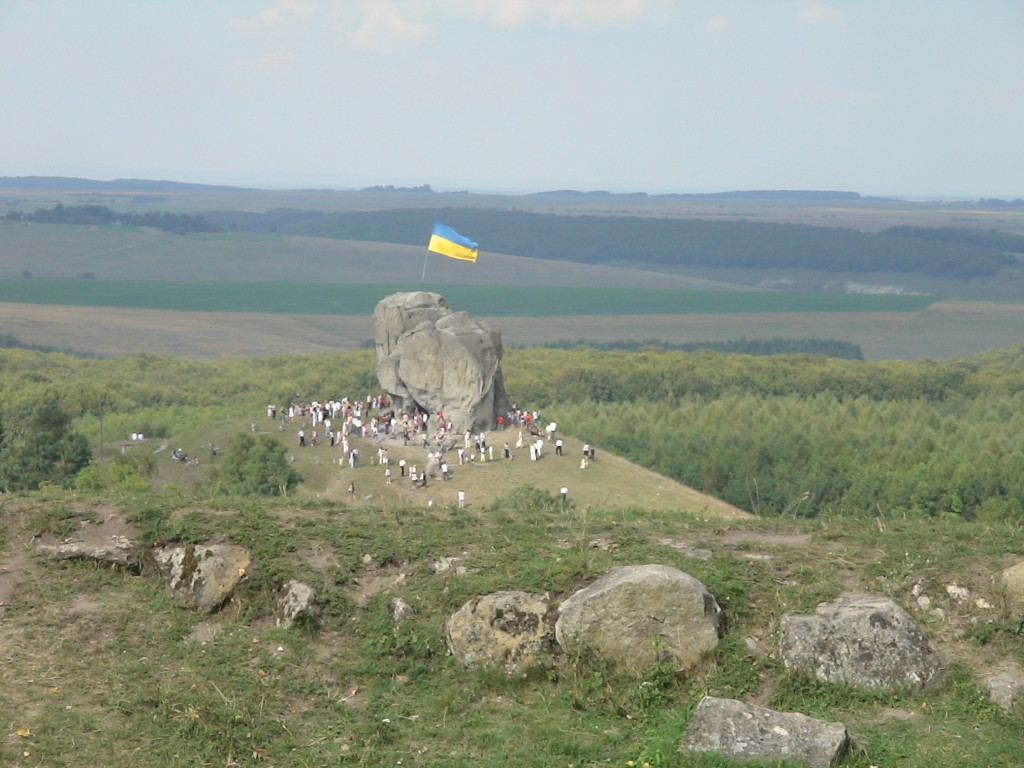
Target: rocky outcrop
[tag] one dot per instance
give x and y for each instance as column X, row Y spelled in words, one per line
column 865, row 641
column 748, row 732
column 432, row 359
column 641, row 614
column 112, row 540
column 508, row 630
column 201, row 576
column 297, row 601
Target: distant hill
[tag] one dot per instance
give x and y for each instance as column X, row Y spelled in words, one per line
column 72, row 184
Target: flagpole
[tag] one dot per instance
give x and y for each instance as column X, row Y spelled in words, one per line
column 423, row 277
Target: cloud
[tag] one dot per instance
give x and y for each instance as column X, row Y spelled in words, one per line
column 717, row 24
column 816, row 14
column 280, row 12
column 384, row 27
column 580, row 14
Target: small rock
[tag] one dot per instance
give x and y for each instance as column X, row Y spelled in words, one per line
column 1006, row 689
column 1012, row 582
column 445, row 564
column 400, row 610
column 298, row 601
column 957, row 592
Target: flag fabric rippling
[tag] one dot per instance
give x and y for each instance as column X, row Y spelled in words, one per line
column 448, row 242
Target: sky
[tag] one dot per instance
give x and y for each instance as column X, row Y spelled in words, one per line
column 906, row 98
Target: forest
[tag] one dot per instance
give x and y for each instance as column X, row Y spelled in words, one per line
column 784, row 435
column 949, row 252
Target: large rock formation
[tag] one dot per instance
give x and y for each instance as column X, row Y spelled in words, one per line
column 865, row 641
column 432, row 359
column 638, row 615
column 748, row 732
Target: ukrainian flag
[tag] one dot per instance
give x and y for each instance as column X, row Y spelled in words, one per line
column 448, row 242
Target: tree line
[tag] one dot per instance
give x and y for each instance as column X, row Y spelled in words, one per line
column 741, row 346
column 178, row 223
column 659, row 241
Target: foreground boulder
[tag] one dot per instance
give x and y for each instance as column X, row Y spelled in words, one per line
column 201, row 576
column 748, row 732
column 638, row 615
column 433, row 360
column 508, row 630
column 865, row 641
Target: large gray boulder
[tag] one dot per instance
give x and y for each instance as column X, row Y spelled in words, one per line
column 509, row 630
column 432, row 359
column 747, row 732
column 865, row 641
column 638, row 615
column 201, row 576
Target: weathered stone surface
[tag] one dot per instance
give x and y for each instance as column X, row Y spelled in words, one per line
column 432, row 359
column 201, row 576
column 1006, row 688
column 111, row 540
column 748, row 732
column 297, row 601
column 400, row 610
column 866, row 641
column 1012, row 580
column 504, row 629
column 641, row 614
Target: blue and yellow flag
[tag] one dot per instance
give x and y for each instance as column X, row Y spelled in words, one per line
column 448, row 242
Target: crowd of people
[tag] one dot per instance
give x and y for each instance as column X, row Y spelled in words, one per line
column 337, row 422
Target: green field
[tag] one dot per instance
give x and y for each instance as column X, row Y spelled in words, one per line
column 508, row 301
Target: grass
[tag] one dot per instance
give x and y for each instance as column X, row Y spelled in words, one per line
column 100, row 667
column 509, row 301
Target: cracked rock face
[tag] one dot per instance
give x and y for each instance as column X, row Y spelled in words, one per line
column 508, row 629
column 432, row 359
column 639, row 615
column 865, row 641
